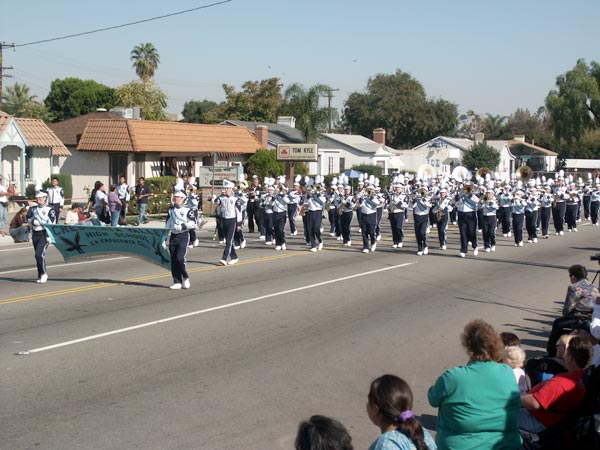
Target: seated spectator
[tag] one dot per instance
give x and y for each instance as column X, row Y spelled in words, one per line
column 550, row 402
column 509, row 339
column 578, row 306
column 390, row 408
column 543, row 368
column 19, row 227
column 514, row 356
column 322, row 433
column 75, row 216
column 479, row 402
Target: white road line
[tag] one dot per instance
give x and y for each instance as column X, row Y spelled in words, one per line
column 66, row 264
column 27, row 247
column 204, row 311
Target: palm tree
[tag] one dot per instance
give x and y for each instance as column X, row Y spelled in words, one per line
column 494, row 126
column 145, row 59
column 17, row 99
column 304, row 105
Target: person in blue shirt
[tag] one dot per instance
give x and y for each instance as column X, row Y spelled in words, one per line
column 390, row 408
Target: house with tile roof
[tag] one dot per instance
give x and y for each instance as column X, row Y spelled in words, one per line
column 337, row 152
column 109, row 148
column 29, row 150
column 444, row 153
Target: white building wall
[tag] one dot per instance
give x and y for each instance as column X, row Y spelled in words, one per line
column 85, row 168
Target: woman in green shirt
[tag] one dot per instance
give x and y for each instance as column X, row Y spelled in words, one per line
column 478, row 403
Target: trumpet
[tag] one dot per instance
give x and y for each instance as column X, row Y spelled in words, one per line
column 423, row 192
column 467, row 189
column 191, row 189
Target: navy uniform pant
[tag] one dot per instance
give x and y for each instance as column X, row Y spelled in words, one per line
column 368, row 222
column 467, row 225
column 571, row 216
column 530, row 224
column 397, row 225
column 558, row 216
column 279, row 227
column 331, row 213
column 517, row 222
column 268, row 226
column 442, row 227
column 253, row 215
column 345, row 224
column 314, row 222
column 587, row 200
column 488, row 229
column 594, row 207
column 229, row 226
column 505, row 219
column 40, row 244
column 178, row 246
column 545, row 214
column 292, row 211
column 421, row 222
column 379, row 216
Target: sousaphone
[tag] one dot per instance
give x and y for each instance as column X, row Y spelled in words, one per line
column 524, row 173
column 461, row 174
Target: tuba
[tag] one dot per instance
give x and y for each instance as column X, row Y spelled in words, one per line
column 461, row 174
column 425, row 172
column 524, row 173
column 482, row 173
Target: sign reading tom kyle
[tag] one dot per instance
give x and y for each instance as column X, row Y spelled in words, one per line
column 297, row 152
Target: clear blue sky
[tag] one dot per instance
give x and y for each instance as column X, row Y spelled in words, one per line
column 492, row 57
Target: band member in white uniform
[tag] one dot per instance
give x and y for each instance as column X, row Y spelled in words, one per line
column 421, row 207
column 505, row 200
column 180, row 220
column 595, row 204
column 397, row 204
column 518, row 213
column 368, row 219
column 38, row 216
column 531, row 213
column 467, row 219
column 489, row 210
column 295, row 197
column 229, row 207
column 280, row 210
column 315, row 202
column 546, row 211
column 442, row 209
column 56, row 197
column 347, row 212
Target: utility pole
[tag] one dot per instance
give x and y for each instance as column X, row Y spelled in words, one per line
column 329, row 96
column 2, row 69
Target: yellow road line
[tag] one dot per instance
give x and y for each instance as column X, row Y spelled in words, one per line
column 143, row 278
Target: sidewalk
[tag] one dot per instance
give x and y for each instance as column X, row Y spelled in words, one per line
column 154, row 223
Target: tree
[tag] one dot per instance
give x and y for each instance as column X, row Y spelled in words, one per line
column 471, row 123
column 72, row 97
column 146, row 95
column 258, row 101
column 494, row 126
column 398, row 103
column 196, row 111
column 303, row 104
column 145, row 59
column 535, row 127
column 575, row 106
column 264, row 164
column 481, row 155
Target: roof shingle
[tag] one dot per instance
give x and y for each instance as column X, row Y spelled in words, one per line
column 69, row 131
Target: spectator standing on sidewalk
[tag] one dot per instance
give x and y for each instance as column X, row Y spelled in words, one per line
column 3, row 206
column 114, row 205
column 142, row 192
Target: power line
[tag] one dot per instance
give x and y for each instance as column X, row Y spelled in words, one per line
column 124, row 25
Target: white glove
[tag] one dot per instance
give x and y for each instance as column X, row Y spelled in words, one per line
column 48, row 240
column 177, row 227
column 164, row 244
column 36, row 222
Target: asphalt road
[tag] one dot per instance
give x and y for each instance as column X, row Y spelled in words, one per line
column 118, row 361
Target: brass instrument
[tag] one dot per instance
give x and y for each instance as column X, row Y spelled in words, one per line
column 467, row 189
column 524, row 173
column 369, row 192
column 423, row 192
column 302, row 211
column 482, row 173
column 191, row 189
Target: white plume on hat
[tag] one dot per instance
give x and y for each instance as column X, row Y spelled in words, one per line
column 297, row 178
column 306, row 180
column 39, row 192
column 266, row 181
column 179, row 185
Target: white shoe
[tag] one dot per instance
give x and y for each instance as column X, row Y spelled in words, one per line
column 283, row 247
column 236, row 247
column 278, row 247
column 487, row 250
column 196, row 243
column 395, row 246
column 374, row 247
column 428, row 230
column 400, row 245
column 261, row 238
column 575, row 230
column 561, row 233
column 190, row 246
column 569, row 230
column 339, row 238
column 530, row 241
column 509, row 234
column 505, row 234
column 462, row 255
column 378, row 238
column 420, row 253
column 243, row 244
column 175, row 286
column 43, row 279
column 314, row 249
column 546, row 237
column 365, row 250
column 269, row 243
column 222, row 262
column 493, row 248
column 186, row 283
column 349, row 243
column 233, row 261
column 222, row 242
column 294, row 233
column 320, row 246
column 332, row 234
column 443, row 247
column 535, row 240
column 521, row 244
column 475, row 251
column 425, row 251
